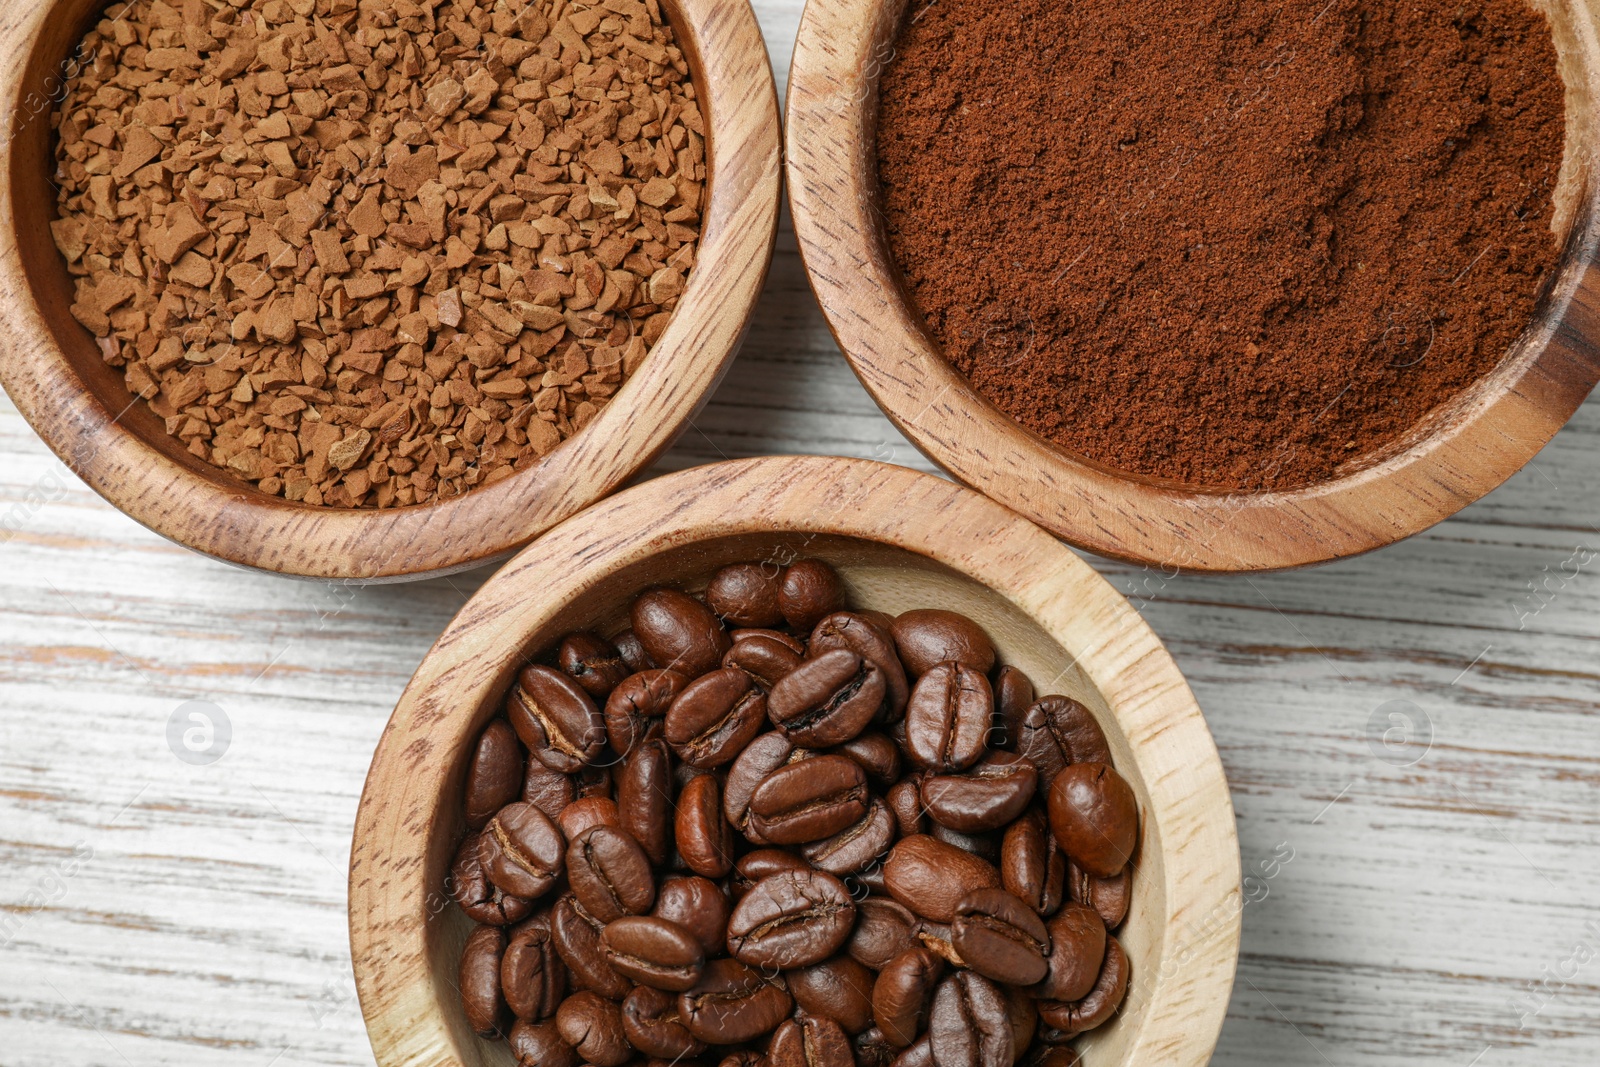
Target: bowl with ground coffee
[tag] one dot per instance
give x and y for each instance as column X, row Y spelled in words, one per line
column 1210, row 286
column 800, row 761
column 370, row 291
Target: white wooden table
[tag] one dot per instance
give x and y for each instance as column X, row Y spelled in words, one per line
column 1412, row 738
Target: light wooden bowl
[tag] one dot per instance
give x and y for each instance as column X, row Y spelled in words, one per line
column 900, row 539
column 52, row 368
column 1455, row 457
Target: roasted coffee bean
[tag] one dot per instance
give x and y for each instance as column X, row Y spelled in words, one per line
column 763, row 862
column 1032, row 865
column 904, row 799
column 732, row 1004
column 494, row 776
column 593, row 1025
column 577, row 940
column 653, row 952
column 968, row 1025
column 930, row 877
column 872, row 1050
column 884, row 929
column 917, row 1054
column 926, row 637
column 699, row 906
column 540, row 1045
column 593, row 662
column 947, row 718
column 1095, row 817
column 1109, row 897
column 867, row 639
column 531, row 973
column 839, row 989
column 479, row 980
column 791, row 919
column 715, row 716
column 746, row 594
column 828, row 700
column 636, row 710
column 788, row 641
column 555, row 718
column 678, row 631
column 644, row 798
column 857, row 845
column 586, row 812
column 1058, row 731
column 1013, row 695
column 765, row 659
column 1077, row 949
column 481, row 899
column 809, row 591
column 986, row 797
column 760, row 758
column 549, row 791
column 705, row 840
column 521, row 850
column 610, row 874
column 650, row 1023
column 1000, row 937
column 810, row 800
column 810, row 1042
column 903, row 994
column 1101, row 1003
column 631, row 649
column 878, row 755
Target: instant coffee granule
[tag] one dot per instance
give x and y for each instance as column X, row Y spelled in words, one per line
column 1236, row 243
column 377, row 254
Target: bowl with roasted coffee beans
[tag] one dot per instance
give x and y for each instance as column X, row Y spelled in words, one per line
column 365, row 291
column 1221, row 287
column 795, row 761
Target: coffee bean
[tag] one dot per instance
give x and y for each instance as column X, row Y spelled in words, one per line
column 705, row 840
column 1109, row 897
column 810, row 1042
column 636, row 710
column 752, row 867
column 549, row 791
column 585, row 812
column 610, row 874
column 1057, row 731
column 930, row 877
column 555, row 718
column 1013, row 695
column 867, row 639
column 540, row 1045
column 764, row 659
column 810, row 590
column 1000, row 937
column 788, row 641
column 678, row 631
column 650, row 1023
column 1101, row 1003
column 857, row 845
column 878, row 755
column 1077, row 950
column 1032, row 865
column 828, row 700
column 714, row 717
column 872, row 1050
column 986, row 797
column 968, row 1025
column 481, row 899
column 631, row 649
column 760, row 757
column 838, row 988
column 653, row 952
column 904, row 799
column 926, row 637
column 479, row 980
column 917, row 1054
column 903, row 994
column 884, row 929
column 791, row 919
column 593, row 662
column 577, row 940
column 810, row 800
column 947, row 718
column 1095, row 817
column 746, row 594
column 732, row 1004
column 644, row 798
column 494, row 776
column 699, row 906
column 593, row 1025
column 521, row 850
column 532, row 977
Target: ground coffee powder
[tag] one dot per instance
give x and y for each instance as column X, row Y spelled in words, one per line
column 1239, row 243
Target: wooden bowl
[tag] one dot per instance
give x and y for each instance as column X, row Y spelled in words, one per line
column 900, row 539
column 52, row 368
column 1456, row 456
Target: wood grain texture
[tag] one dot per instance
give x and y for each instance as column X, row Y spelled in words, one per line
column 1462, row 451
column 53, row 371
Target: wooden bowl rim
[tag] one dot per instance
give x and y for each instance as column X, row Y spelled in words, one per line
column 1492, row 430
column 393, row 907
column 210, row 512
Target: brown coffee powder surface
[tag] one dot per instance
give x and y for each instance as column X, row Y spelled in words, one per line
column 1235, row 243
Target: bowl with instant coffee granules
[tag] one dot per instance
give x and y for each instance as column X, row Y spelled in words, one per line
column 1211, row 286
column 806, row 761
column 375, row 291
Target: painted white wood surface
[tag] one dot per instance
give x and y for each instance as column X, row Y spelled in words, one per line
column 158, row 912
